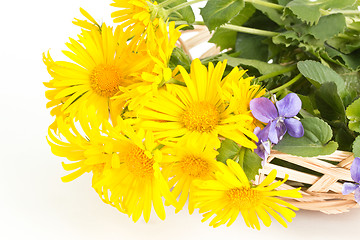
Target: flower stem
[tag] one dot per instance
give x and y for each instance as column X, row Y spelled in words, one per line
column 266, row 4
column 249, row 30
column 274, row 74
column 166, row 3
column 288, row 84
column 183, row 5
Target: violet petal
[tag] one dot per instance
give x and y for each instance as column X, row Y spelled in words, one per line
column 263, row 135
column 349, row 188
column 294, row 127
column 263, row 150
column 273, row 136
column 257, row 130
column 355, row 170
column 280, row 129
column 263, row 109
column 289, row 106
column 357, row 195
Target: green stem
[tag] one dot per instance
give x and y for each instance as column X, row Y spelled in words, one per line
column 289, row 83
column 274, row 74
column 265, row 4
column 166, row 3
column 249, row 30
column 183, row 5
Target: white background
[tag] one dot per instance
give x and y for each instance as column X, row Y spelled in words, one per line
column 34, row 203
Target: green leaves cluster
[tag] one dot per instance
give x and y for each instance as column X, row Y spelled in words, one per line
column 247, row 159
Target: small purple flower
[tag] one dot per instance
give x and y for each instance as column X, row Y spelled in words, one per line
column 263, row 145
column 279, row 119
column 355, row 175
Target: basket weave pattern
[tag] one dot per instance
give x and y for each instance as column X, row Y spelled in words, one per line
column 322, row 190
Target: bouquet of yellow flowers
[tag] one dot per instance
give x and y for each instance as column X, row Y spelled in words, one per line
column 155, row 127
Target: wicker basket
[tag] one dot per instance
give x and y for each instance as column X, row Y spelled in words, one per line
column 321, row 183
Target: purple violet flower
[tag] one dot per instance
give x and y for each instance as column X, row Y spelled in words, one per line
column 279, row 119
column 355, row 175
column 263, row 145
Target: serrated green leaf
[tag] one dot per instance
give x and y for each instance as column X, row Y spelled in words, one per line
column 353, row 114
column 356, row 147
column 318, row 74
column 315, row 141
column 228, row 150
column 328, row 26
column 225, row 38
column 304, row 11
column 309, row 11
column 218, row 12
column 329, row 103
column 250, row 162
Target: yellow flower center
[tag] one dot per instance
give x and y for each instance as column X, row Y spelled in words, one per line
column 105, row 80
column 138, row 163
column 201, row 116
column 244, row 198
column 195, row 166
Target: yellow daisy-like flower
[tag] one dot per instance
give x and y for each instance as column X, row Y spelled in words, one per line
column 198, row 109
column 85, row 147
column 135, row 180
column 241, row 92
column 139, row 16
column 186, row 161
column 231, row 194
column 104, row 62
column 159, row 45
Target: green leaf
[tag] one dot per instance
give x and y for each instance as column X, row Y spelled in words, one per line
column 228, row 150
column 271, row 13
column 218, row 12
column 304, row 11
column 319, row 74
column 353, row 114
column 344, row 137
column 306, row 104
column 250, row 162
column 309, row 11
column 184, row 14
column 329, row 103
column 247, row 159
column 356, row 147
column 328, row 26
column 349, row 60
column 179, row 57
column 252, row 47
column 315, row 142
column 262, row 67
column 225, row 38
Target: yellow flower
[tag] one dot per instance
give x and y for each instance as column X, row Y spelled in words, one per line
column 231, row 194
column 159, row 45
column 135, row 180
column 85, row 24
column 87, row 152
column 103, row 63
column 139, row 16
column 197, row 109
column 241, row 92
column 186, row 161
